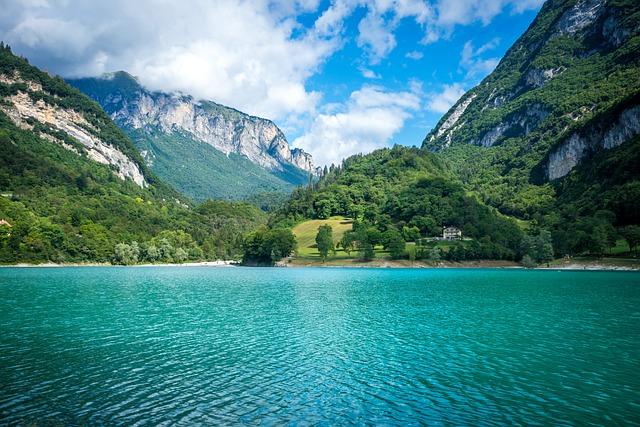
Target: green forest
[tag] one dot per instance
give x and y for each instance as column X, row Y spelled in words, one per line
column 59, row 206
column 487, row 176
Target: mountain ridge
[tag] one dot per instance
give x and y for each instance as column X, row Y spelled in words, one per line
column 152, row 119
column 74, row 188
column 567, row 89
column 543, row 153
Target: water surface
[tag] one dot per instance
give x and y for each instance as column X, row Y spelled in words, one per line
column 186, row 346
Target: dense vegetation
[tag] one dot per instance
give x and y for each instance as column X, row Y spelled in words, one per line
column 63, row 207
column 500, row 145
column 400, row 192
column 265, row 246
column 488, row 175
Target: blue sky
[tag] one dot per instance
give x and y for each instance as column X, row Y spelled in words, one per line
column 339, row 77
column 433, row 66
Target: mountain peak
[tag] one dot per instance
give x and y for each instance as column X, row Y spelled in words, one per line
column 148, row 116
column 538, row 97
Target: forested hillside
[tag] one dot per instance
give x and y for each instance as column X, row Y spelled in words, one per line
column 409, row 192
column 551, row 136
column 74, row 188
column 549, row 139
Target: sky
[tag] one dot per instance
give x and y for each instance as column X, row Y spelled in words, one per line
column 338, row 77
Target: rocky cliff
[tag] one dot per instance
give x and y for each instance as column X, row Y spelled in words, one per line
column 244, row 154
column 224, row 128
column 601, row 135
column 31, row 107
column 577, row 60
column 565, row 92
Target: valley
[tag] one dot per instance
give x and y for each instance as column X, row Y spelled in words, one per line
column 540, row 161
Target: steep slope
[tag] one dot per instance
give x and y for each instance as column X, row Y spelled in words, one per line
column 550, row 137
column 73, row 186
column 204, row 149
column 566, row 90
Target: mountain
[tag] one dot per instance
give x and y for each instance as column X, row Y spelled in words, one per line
column 549, row 141
column 74, row 188
column 568, row 89
column 204, row 149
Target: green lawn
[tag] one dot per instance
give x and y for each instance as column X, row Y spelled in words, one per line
column 306, row 235
column 621, row 247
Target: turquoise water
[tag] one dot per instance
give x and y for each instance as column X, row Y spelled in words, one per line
column 332, row 346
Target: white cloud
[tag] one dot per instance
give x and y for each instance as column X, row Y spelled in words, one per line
column 414, row 54
column 367, row 121
column 369, row 74
column 441, row 102
column 376, row 29
column 437, row 18
column 254, row 55
column 449, row 13
column 475, row 66
column 250, row 55
column 331, row 20
column 376, row 37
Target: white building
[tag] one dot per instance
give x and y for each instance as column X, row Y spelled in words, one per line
column 451, row 233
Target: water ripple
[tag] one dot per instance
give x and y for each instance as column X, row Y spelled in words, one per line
column 191, row 346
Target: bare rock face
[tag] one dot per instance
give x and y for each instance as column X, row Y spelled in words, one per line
column 537, row 78
column 580, row 16
column 521, row 123
column 302, row 159
column 592, row 139
column 447, row 127
column 21, row 108
column 225, row 129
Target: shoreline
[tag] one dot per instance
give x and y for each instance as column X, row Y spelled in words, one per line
column 219, row 263
column 607, row 264
column 576, row 264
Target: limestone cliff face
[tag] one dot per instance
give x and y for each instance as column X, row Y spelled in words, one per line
column 225, row 129
column 25, row 107
column 576, row 62
column 591, row 139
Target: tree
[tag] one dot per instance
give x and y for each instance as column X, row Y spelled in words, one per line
column 346, row 242
column 135, row 251
column 435, row 254
column 544, row 247
column 598, row 241
column 374, row 236
column 324, row 240
column 631, row 234
column 166, row 250
column 5, row 233
column 267, row 246
column 324, row 207
column 180, row 255
column 394, row 243
column 282, row 243
column 366, row 251
column 411, row 253
column 538, row 248
column 528, row 262
column 152, row 253
column 126, row 254
column 410, row 234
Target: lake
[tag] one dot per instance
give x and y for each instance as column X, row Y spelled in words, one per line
column 198, row 345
